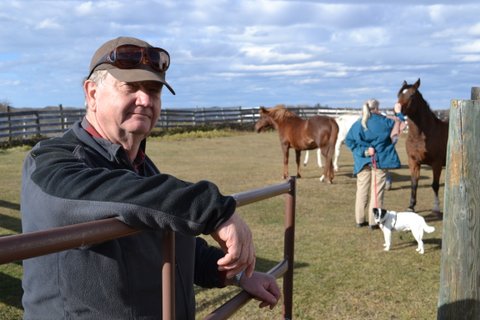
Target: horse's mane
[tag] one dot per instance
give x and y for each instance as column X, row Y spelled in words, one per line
column 280, row 113
column 419, row 100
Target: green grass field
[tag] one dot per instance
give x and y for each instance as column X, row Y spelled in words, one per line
column 341, row 272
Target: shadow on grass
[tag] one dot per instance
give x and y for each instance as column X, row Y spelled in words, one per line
column 9, row 205
column 406, row 178
column 433, row 244
column 402, row 177
column 433, row 216
column 345, row 174
column 10, row 290
column 10, row 223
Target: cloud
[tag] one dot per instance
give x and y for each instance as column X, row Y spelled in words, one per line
column 471, row 47
column 247, row 52
column 474, row 30
column 370, row 37
column 269, row 54
column 470, row 58
column 48, row 24
column 85, row 8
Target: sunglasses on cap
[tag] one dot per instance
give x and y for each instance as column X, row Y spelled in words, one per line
column 130, row 56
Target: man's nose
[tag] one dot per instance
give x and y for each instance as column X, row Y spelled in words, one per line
column 144, row 98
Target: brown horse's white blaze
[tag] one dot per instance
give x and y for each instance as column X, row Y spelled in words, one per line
column 298, row 134
column 426, row 141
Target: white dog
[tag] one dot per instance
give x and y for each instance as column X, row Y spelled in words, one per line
column 401, row 221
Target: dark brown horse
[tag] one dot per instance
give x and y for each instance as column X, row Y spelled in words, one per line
column 426, row 141
column 316, row 132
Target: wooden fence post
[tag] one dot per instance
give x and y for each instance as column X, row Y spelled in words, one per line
column 459, row 296
column 37, row 122
column 62, row 117
column 9, row 117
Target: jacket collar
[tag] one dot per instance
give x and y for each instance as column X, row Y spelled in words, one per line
column 112, row 151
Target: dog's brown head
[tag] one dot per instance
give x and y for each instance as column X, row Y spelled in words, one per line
column 379, row 215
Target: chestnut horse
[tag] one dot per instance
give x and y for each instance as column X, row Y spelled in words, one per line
column 344, row 122
column 294, row 132
column 426, row 141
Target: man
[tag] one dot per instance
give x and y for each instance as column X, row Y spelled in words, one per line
column 99, row 169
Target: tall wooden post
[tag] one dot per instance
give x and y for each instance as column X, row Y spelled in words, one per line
column 459, row 296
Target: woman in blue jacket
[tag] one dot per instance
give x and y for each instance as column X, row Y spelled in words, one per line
column 373, row 154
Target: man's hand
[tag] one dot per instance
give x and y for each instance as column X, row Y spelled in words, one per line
column 262, row 287
column 235, row 238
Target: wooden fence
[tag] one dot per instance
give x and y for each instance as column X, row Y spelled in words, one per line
column 18, row 124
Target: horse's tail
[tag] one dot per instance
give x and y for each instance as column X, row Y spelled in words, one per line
column 333, row 135
column 330, row 152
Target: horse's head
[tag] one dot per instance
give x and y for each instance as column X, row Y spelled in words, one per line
column 265, row 122
column 405, row 96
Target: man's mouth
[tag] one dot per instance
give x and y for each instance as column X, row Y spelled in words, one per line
column 141, row 114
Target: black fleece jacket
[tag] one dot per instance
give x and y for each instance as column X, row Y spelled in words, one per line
column 77, row 178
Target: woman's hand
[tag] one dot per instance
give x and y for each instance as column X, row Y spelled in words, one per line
column 397, row 108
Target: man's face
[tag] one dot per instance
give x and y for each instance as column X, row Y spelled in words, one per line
column 125, row 110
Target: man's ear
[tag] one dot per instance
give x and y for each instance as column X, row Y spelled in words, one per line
column 90, row 91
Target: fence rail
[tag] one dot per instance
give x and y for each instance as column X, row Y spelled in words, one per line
column 18, row 124
column 34, row 244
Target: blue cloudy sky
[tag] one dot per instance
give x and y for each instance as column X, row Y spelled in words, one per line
column 249, row 53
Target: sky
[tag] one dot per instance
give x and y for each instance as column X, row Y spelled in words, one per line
column 248, row 53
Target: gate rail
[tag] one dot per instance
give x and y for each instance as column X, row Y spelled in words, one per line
column 34, row 244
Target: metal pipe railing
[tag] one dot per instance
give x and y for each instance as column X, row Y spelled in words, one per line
column 238, row 301
column 39, row 243
column 283, row 268
column 34, row 244
column 168, row 276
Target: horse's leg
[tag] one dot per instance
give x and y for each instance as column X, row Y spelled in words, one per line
column 305, row 161
column 285, row 150
column 319, row 158
column 328, row 167
column 338, row 145
column 415, row 174
column 329, row 161
column 298, row 153
column 437, row 171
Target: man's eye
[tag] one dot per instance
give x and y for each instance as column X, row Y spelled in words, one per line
column 132, row 87
column 155, row 89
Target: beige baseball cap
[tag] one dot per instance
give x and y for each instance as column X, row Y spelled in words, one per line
column 141, row 72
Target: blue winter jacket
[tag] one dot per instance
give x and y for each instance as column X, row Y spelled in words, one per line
column 377, row 135
column 77, row 178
